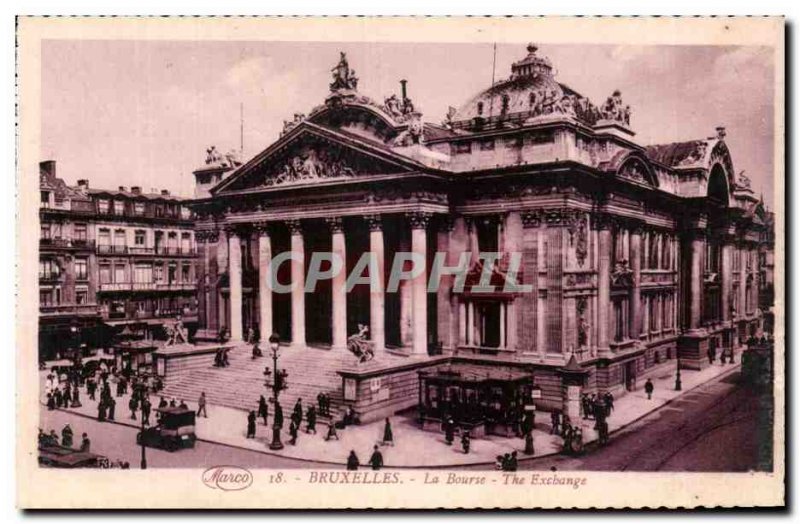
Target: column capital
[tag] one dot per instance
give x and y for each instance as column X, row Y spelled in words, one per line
column 295, row 226
column 374, row 222
column 335, row 224
column 233, row 229
column 531, row 219
column 603, row 222
column 263, row 228
column 446, row 223
column 637, row 227
column 419, row 219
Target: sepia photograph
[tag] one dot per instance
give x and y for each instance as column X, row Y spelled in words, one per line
column 433, row 265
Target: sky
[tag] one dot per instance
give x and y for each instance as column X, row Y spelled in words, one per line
column 144, row 112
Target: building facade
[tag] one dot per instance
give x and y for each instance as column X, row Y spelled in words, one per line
column 109, row 259
column 635, row 255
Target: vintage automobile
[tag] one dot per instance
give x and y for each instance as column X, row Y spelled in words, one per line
column 54, row 456
column 174, row 430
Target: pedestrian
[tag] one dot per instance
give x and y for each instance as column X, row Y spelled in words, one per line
column 648, row 388
column 327, row 404
column 554, row 422
column 112, row 408
column 465, row 441
column 297, row 414
column 449, row 430
column 711, row 355
column 183, row 405
column 352, row 461
column 101, row 411
column 172, row 402
column 321, row 404
column 162, row 403
column 608, row 400
column 251, row 425
column 133, row 404
column 59, row 399
column 51, row 402
column 293, row 426
column 66, row 436
column 86, row 444
column 53, row 437
column 505, row 461
column 146, row 406
column 331, row 434
column 263, row 409
column 311, row 420
column 201, row 405
column 376, row 460
column 91, row 386
column 388, row 434
column 499, row 463
column 513, row 463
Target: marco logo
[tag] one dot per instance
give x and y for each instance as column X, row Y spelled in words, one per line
column 227, row 478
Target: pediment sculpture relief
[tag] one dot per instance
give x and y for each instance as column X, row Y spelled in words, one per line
column 308, row 166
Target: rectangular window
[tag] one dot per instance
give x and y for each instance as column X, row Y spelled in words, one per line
column 105, row 273
column 45, row 197
column 45, row 297
column 49, row 269
column 140, row 238
column 102, row 206
column 186, row 242
column 119, row 240
column 119, row 273
column 143, row 273
column 486, row 145
column 79, row 232
column 172, row 273
column 185, row 272
column 81, row 296
column 45, row 232
column 81, row 269
column 119, row 207
column 138, row 208
column 158, row 272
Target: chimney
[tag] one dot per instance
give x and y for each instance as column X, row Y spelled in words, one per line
column 123, row 189
column 721, row 132
column 136, row 190
column 83, row 184
column 48, row 168
column 165, row 192
column 403, row 88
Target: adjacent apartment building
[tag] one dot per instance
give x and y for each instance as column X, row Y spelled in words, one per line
column 110, row 259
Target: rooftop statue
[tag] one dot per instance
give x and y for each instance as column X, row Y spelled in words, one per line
column 743, row 181
column 343, row 76
column 613, row 109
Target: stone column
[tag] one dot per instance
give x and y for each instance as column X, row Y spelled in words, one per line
column 235, row 282
column 727, row 282
column 264, row 285
column 696, row 282
column 406, row 305
column 636, row 291
column 603, row 224
column 298, row 284
column 339, row 285
column 419, row 293
column 377, row 297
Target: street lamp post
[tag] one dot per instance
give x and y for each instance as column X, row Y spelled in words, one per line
column 141, row 389
column 278, row 383
column 678, row 373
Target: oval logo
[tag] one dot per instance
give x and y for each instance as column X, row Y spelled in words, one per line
column 227, row 478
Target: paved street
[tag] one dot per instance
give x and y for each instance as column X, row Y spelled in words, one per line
column 712, row 428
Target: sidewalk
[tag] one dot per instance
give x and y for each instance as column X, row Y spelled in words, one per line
column 413, row 447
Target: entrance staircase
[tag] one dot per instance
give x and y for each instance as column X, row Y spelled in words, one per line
column 310, row 371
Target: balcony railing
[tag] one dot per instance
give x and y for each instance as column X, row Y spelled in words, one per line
column 106, row 249
column 75, row 243
column 148, row 286
column 69, row 309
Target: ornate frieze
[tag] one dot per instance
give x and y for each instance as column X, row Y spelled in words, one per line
column 553, row 217
column 206, row 235
column 308, row 166
column 622, row 274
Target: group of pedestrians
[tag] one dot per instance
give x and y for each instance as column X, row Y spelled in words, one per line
column 507, row 462
column 596, row 404
column 67, row 439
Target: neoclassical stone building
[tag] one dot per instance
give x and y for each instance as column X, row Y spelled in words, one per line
column 635, row 253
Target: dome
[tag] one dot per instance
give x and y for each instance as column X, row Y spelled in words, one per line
column 530, row 91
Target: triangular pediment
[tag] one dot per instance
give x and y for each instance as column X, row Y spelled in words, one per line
column 310, row 155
